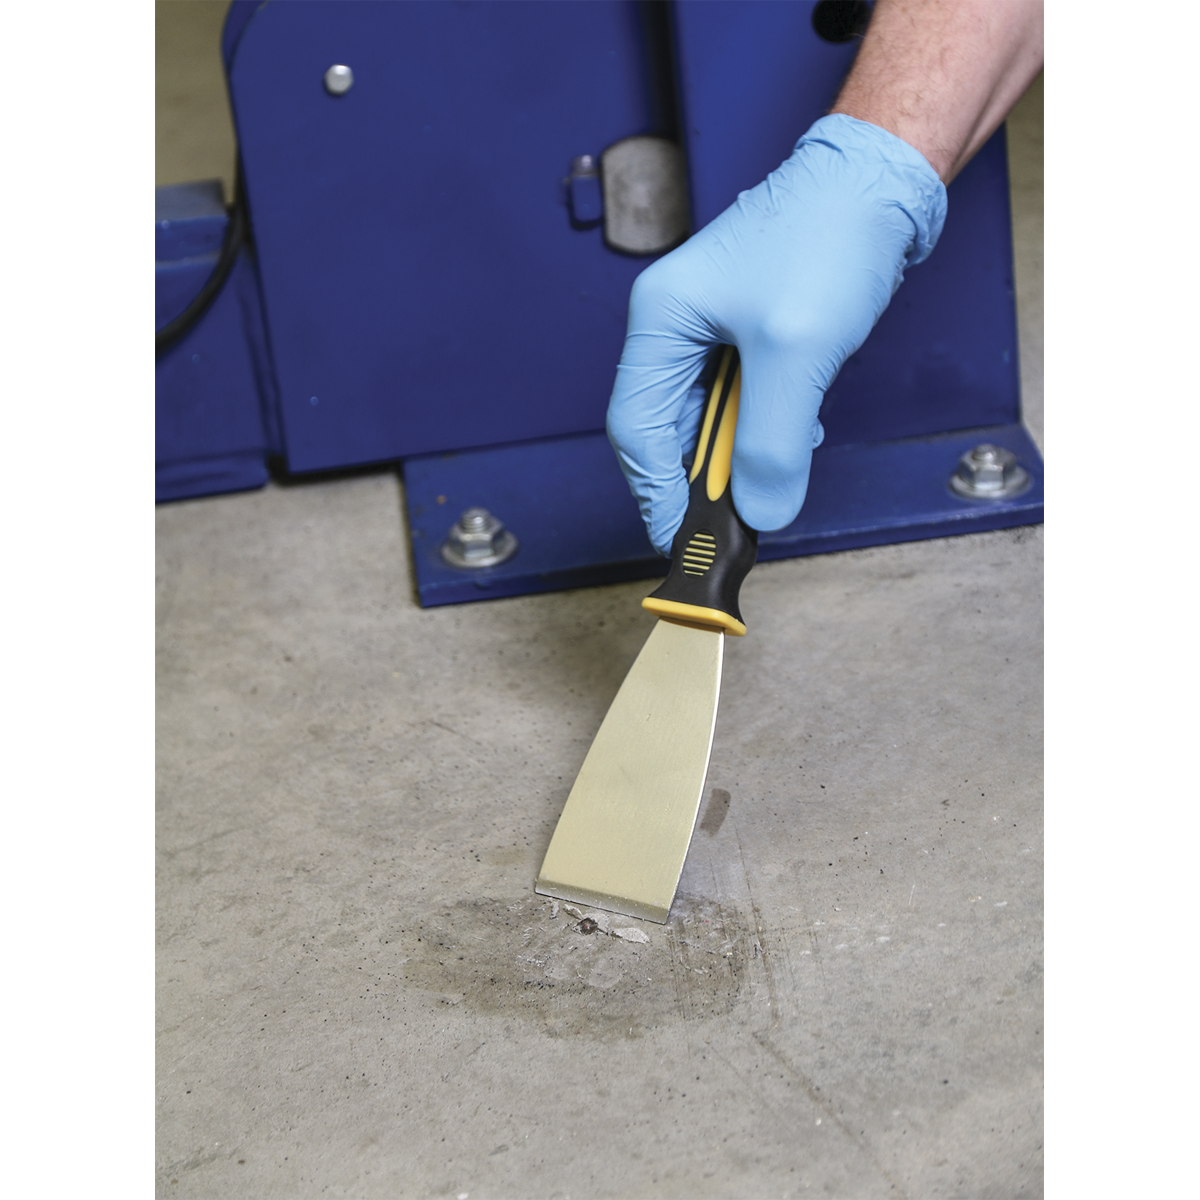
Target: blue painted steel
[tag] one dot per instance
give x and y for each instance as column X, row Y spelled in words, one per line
column 236, row 20
column 585, row 200
column 429, row 298
column 899, row 491
column 189, row 222
column 566, row 500
column 944, row 354
column 567, row 503
column 424, row 287
column 752, row 77
column 209, row 426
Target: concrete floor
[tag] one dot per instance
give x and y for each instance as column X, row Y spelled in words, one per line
column 359, row 993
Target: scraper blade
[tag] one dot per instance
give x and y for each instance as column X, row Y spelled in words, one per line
column 621, row 841
column 624, row 832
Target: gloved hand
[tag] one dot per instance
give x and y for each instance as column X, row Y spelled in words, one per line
column 794, row 274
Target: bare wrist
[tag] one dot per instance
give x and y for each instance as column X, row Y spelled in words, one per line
column 943, row 74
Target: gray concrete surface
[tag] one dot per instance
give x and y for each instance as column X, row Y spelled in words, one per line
column 193, row 127
column 359, row 993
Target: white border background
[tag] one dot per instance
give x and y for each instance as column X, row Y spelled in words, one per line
column 77, row 599
column 1122, row 609
column 1121, row 606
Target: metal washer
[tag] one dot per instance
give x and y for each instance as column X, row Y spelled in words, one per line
column 506, row 547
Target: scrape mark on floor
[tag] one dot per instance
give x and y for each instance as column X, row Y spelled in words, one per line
column 760, row 943
column 533, row 967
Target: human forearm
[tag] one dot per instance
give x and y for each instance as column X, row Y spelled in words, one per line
column 943, row 74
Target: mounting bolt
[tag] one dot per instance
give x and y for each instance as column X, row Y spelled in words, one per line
column 989, row 472
column 478, row 540
column 339, row 79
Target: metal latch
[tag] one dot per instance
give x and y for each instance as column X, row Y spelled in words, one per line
column 638, row 189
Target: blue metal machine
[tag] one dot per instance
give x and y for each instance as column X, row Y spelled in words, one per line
column 215, row 386
column 433, row 279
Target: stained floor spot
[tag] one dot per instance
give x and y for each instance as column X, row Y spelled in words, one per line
column 715, row 812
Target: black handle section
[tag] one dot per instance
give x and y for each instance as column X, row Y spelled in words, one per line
column 714, row 549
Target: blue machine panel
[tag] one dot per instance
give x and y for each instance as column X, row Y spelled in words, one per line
column 577, row 524
column 210, row 434
column 753, row 76
column 423, row 285
column 429, row 300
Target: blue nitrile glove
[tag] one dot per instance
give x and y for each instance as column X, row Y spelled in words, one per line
column 794, row 274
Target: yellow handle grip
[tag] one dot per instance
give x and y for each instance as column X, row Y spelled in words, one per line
column 718, row 459
column 713, row 548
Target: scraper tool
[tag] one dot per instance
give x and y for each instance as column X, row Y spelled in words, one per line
column 624, row 831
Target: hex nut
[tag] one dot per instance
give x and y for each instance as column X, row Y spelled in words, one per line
column 339, row 79
column 478, row 540
column 988, row 472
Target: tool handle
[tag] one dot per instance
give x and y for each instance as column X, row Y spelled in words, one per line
column 714, row 549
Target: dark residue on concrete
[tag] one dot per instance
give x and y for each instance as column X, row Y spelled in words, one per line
column 716, row 812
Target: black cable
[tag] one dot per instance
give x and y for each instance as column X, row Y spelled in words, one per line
column 235, row 238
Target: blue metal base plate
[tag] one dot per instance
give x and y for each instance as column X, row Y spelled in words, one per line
column 570, row 508
column 209, row 476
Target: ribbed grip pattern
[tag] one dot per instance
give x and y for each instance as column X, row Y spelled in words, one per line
column 700, row 553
